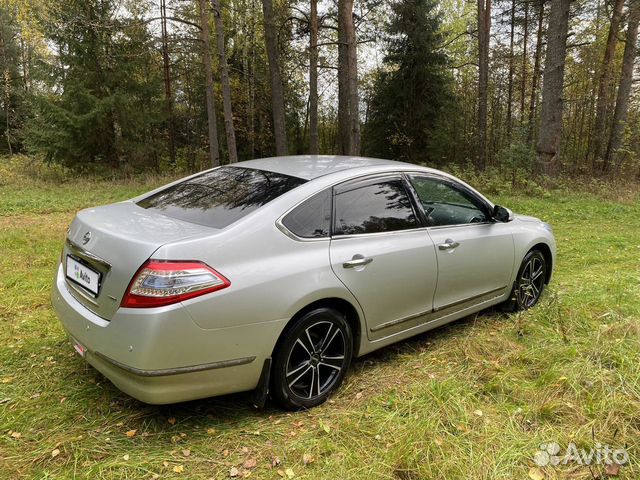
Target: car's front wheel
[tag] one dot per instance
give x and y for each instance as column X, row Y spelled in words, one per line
column 311, row 359
column 530, row 281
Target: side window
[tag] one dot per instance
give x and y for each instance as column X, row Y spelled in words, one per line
column 375, row 206
column 444, row 204
column 311, row 219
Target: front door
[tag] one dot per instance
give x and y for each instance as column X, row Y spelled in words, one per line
column 475, row 254
column 382, row 253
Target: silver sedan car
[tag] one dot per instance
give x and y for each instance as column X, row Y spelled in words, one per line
column 271, row 275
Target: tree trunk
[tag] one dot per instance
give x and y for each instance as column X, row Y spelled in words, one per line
column 624, row 88
column 510, row 85
column 484, row 29
column 604, row 87
column 313, row 79
column 348, row 98
column 552, row 89
column 525, row 42
column 343, row 84
column 536, row 74
column 277, row 90
column 208, row 74
column 226, row 85
column 168, row 96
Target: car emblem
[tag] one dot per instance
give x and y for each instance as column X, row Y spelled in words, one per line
column 86, row 238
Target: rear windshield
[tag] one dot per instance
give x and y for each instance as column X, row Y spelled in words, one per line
column 220, row 197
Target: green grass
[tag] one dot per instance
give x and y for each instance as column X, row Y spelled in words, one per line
column 474, row 399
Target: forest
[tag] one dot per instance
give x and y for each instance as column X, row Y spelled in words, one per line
column 543, row 87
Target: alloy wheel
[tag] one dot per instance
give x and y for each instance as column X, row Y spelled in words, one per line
column 316, row 360
column 531, row 281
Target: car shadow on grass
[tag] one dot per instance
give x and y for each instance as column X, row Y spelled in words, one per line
column 237, row 411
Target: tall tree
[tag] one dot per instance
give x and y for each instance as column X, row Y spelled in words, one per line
column 166, row 69
column 511, row 70
column 484, row 34
column 212, row 127
column 535, row 76
column 525, row 62
column 550, row 130
column 348, row 96
column 313, row 78
column 412, row 87
column 277, row 89
column 109, row 106
column 624, row 88
column 226, row 84
column 604, row 86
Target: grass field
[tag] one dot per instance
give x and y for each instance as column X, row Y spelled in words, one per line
column 475, row 399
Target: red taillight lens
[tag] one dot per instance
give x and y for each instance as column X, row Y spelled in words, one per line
column 164, row 282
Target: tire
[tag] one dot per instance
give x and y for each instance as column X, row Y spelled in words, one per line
column 529, row 283
column 311, row 359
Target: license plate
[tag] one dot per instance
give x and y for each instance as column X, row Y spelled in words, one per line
column 82, row 275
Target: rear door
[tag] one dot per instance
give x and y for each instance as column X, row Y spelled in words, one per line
column 475, row 254
column 382, row 253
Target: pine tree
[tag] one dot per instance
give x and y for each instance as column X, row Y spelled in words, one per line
column 412, row 87
column 109, row 110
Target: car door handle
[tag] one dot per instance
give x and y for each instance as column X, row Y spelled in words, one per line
column 448, row 244
column 357, row 261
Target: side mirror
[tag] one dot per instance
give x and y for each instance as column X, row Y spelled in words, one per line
column 502, row 214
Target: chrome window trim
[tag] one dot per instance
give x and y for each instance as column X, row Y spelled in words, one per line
column 399, row 173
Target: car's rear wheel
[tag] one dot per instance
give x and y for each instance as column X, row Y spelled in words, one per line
column 311, row 359
column 530, row 281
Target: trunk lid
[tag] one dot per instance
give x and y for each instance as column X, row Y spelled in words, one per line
column 114, row 241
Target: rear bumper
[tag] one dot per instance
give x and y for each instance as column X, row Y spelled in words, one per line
column 160, row 355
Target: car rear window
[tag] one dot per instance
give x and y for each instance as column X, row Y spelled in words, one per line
column 220, row 197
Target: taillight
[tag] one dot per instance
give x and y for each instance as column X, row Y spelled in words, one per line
column 164, row 282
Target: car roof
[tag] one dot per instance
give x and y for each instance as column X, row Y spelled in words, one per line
column 309, row 167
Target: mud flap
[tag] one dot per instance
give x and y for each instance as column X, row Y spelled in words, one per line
column 262, row 390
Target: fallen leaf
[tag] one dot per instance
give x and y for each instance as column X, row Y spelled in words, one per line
column 125, row 457
column 478, row 412
column 289, row 473
column 246, row 473
column 178, row 468
column 211, row 431
column 612, row 469
column 172, row 421
column 165, row 464
column 275, row 461
column 438, row 441
column 225, row 452
column 307, row 458
column 250, row 463
column 16, row 435
column 233, row 472
column 245, row 450
column 358, row 395
column 535, row 474
column 324, row 426
column 281, row 473
column 131, row 433
column 55, row 453
column 186, row 452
